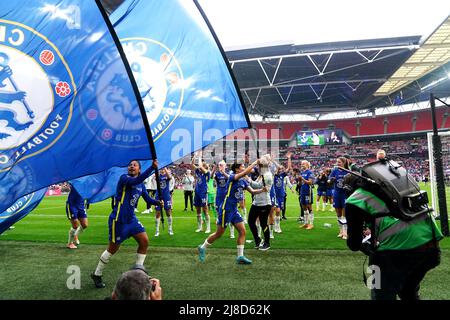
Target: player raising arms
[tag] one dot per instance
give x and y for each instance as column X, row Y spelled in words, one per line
column 261, row 205
column 280, row 191
column 201, row 193
column 123, row 223
column 228, row 213
column 165, row 177
column 221, row 177
column 306, row 178
column 337, row 177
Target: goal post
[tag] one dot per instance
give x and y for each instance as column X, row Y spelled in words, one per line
column 438, row 148
column 444, row 142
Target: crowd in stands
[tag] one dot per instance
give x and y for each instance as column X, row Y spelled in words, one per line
column 412, row 154
column 63, row 186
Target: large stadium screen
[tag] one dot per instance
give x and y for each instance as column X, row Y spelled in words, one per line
column 319, row 137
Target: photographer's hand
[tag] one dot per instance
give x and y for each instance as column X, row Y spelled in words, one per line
column 156, row 293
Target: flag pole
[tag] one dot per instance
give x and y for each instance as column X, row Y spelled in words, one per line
column 136, row 93
column 233, row 78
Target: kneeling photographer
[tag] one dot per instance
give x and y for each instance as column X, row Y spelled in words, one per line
column 403, row 237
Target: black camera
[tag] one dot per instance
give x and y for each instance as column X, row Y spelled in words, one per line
column 393, row 184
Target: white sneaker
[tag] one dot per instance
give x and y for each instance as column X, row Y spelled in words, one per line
column 170, row 233
column 231, row 236
column 71, row 246
column 157, row 234
column 146, row 211
column 151, row 210
column 208, row 231
column 198, row 230
column 272, row 237
column 136, row 210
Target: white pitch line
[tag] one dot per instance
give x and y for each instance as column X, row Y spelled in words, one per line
column 144, row 216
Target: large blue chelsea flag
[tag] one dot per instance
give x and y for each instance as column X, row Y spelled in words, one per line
column 20, row 209
column 184, row 81
column 67, row 107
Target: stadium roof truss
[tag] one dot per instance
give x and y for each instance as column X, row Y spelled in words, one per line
column 433, row 53
column 313, row 79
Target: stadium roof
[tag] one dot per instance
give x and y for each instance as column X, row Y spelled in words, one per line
column 295, row 77
column 318, row 78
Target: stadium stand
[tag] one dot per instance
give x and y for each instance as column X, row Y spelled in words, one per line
column 406, row 122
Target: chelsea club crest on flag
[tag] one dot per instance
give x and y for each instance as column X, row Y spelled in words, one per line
column 183, row 78
column 182, row 75
column 67, row 106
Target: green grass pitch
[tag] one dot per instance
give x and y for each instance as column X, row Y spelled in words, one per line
column 301, row 264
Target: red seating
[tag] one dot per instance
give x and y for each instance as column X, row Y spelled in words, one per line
column 396, row 123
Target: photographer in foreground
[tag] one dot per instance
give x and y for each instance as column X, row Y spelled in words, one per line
column 404, row 237
column 135, row 284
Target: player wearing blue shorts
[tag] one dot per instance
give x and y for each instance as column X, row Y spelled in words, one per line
column 306, row 178
column 280, row 192
column 202, row 176
column 221, row 178
column 76, row 213
column 330, row 187
column 123, row 223
column 164, row 180
column 228, row 213
column 337, row 177
column 298, row 186
column 322, row 184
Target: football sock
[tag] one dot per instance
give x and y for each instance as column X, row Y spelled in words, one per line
column 104, row 259
column 240, row 250
column 306, row 216
column 71, row 235
column 199, row 222
column 208, row 223
column 140, row 258
column 169, row 222
column 157, row 223
column 205, row 244
column 78, row 231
